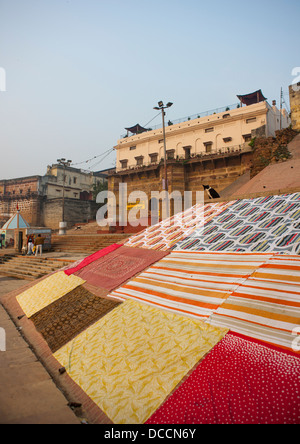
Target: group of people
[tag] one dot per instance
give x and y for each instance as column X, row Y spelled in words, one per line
column 35, row 246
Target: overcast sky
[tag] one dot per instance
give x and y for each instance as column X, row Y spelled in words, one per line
column 79, row 71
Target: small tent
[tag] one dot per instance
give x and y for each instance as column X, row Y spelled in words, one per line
column 7, row 232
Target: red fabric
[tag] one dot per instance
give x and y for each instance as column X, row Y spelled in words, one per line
column 239, row 382
column 90, row 259
column 111, row 271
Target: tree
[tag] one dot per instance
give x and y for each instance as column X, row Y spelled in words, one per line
column 98, row 187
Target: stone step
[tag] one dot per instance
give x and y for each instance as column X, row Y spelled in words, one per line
column 14, row 274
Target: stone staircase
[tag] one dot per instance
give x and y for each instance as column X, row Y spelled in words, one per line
column 85, row 243
column 29, row 267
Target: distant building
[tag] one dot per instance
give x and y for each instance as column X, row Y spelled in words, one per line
column 39, row 198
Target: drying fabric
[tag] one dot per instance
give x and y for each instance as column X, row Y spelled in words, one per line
column 264, row 224
column 267, row 305
column 47, row 291
column 191, row 283
column 67, row 317
column 130, row 360
column 90, row 259
column 239, row 382
column 114, row 269
column 169, row 232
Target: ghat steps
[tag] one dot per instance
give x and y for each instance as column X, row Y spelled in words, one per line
column 30, row 268
column 85, row 243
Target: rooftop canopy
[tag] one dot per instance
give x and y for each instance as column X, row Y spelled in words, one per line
column 12, row 223
column 250, row 99
column 136, row 129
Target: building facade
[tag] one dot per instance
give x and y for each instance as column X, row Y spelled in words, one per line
column 212, row 150
column 40, row 198
column 218, row 133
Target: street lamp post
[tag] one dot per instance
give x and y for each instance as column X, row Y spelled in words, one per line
column 64, row 163
column 162, row 107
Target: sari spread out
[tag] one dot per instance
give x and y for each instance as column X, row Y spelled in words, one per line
column 47, row 291
column 241, row 381
column 191, row 283
column 166, row 234
column 130, row 360
column 67, row 317
column 263, row 224
column 90, row 259
column 267, row 305
column 115, row 268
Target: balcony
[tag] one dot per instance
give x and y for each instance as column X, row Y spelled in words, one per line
column 222, row 152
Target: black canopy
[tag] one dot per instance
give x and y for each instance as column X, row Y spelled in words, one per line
column 255, row 97
column 136, row 129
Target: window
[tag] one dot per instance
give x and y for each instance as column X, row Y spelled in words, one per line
column 253, row 119
column 132, row 148
column 170, row 154
column 225, row 116
column 247, row 137
column 74, row 180
column 227, row 139
column 139, row 160
column 124, row 163
column 153, row 157
column 187, row 150
column 209, row 130
column 208, row 147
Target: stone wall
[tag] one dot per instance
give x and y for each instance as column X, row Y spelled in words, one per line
column 267, row 150
column 76, row 212
column 30, row 207
column 218, row 171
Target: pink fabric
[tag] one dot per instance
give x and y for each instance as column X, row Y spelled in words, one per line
column 88, row 260
column 113, row 270
column 240, row 381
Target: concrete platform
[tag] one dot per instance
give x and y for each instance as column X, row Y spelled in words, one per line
column 28, row 395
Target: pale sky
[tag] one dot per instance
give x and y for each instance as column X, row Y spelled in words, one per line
column 79, row 71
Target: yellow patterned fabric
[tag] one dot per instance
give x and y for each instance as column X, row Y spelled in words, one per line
column 47, row 291
column 131, row 359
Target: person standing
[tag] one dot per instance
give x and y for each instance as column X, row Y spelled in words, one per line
column 39, row 242
column 30, row 246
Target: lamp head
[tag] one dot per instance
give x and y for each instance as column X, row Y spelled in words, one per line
column 161, row 103
column 169, row 104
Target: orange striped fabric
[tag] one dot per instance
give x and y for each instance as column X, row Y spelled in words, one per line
column 192, row 283
column 267, row 305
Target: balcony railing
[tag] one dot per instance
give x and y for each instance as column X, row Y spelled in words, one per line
column 219, row 152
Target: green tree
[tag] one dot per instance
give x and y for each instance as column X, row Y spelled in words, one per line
column 98, row 187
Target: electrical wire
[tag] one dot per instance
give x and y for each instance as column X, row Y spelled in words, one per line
column 93, row 158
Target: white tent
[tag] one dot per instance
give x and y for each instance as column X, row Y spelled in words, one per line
column 17, row 221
